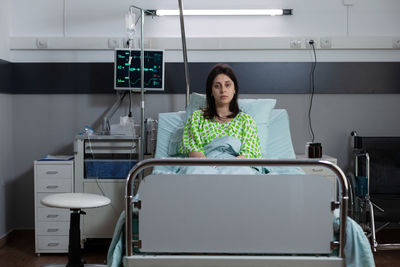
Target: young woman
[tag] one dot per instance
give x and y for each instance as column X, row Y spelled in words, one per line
column 221, row 117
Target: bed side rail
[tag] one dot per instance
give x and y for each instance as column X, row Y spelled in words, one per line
column 139, row 167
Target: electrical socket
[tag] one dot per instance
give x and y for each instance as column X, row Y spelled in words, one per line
column 325, row 42
column 295, row 43
column 41, row 43
column 348, row 2
column 396, row 42
column 307, row 42
column 114, row 43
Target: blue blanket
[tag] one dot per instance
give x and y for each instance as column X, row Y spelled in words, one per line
column 226, row 147
column 357, row 248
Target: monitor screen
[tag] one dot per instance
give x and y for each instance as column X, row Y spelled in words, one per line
column 127, row 72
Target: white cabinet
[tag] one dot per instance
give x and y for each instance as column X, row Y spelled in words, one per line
column 105, row 150
column 52, row 224
column 319, row 170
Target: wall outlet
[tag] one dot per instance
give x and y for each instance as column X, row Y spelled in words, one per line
column 307, row 42
column 114, row 43
column 41, row 43
column 396, row 42
column 325, row 42
column 348, row 2
column 295, row 43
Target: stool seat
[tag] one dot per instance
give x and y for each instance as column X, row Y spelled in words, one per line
column 75, row 201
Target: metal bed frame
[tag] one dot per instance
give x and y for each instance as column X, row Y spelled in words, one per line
column 342, row 202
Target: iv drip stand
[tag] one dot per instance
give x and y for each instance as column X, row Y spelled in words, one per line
column 142, row 130
column 184, row 51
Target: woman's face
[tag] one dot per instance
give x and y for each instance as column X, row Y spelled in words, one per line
column 223, row 90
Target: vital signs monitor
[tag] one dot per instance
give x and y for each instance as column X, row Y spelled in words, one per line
column 127, row 71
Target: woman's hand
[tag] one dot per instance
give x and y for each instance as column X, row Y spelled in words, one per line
column 240, row 157
column 196, row 154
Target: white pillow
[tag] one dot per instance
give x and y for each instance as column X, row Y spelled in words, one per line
column 259, row 109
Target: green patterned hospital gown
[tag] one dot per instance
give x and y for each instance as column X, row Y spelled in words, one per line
column 200, row 131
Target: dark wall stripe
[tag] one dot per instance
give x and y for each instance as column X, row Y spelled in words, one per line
column 62, row 78
column 254, row 77
column 5, row 77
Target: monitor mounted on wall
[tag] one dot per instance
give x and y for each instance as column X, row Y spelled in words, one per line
column 127, row 70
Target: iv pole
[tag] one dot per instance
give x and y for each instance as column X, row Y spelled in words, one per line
column 142, row 130
column 185, row 60
column 184, row 50
column 142, row 137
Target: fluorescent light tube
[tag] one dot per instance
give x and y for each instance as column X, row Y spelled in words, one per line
column 225, row 12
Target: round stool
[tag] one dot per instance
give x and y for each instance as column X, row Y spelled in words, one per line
column 75, row 202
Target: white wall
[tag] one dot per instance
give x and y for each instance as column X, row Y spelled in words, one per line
column 6, row 164
column 105, row 18
column 53, row 120
column 4, row 29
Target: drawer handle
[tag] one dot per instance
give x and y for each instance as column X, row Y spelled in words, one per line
column 52, row 244
column 52, row 216
column 51, row 172
column 317, row 170
column 52, row 230
column 52, row 186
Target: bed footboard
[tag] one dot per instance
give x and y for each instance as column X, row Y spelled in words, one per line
column 201, row 216
column 236, row 214
column 231, row 261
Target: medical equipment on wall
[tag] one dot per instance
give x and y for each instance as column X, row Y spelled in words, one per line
column 127, row 70
column 132, row 64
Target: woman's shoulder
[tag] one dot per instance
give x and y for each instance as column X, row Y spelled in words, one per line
column 198, row 112
column 244, row 116
column 197, row 115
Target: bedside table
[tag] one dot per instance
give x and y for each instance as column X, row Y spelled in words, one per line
column 319, row 170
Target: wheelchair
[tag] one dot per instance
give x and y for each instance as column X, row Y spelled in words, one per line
column 375, row 186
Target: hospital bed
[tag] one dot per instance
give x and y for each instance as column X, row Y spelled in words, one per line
column 284, row 218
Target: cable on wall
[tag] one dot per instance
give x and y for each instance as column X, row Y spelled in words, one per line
column 65, row 18
column 312, row 88
column 347, row 20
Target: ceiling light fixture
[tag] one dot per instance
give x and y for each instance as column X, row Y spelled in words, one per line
column 221, row 12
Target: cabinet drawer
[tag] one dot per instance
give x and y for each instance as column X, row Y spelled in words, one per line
column 52, row 228
column 53, row 214
column 54, row 185
column 56, row 243
column 54, row 171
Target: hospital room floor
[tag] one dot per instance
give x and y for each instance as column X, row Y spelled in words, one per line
column 20, row 252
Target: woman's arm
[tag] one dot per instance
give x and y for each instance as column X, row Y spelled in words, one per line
column 192, row 144
column 250, row 142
